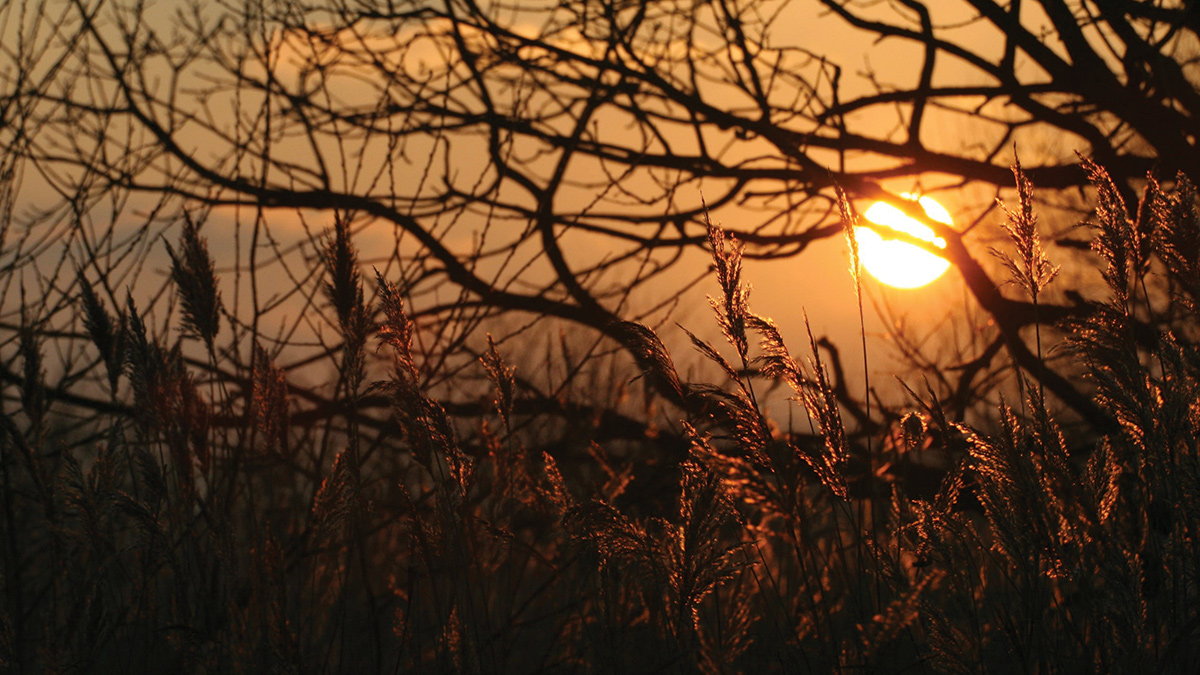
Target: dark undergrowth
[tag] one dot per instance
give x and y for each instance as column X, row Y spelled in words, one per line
column 198, row 527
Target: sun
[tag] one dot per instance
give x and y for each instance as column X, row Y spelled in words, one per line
column 897, row 263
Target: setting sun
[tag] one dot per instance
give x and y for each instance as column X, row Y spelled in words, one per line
column 897, row 263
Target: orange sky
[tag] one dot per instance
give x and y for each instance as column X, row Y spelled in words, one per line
column 817, row 281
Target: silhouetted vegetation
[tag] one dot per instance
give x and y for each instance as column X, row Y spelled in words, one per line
column 338, row 434
column 203, row 528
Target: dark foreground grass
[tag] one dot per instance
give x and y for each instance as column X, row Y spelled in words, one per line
column 201, row 528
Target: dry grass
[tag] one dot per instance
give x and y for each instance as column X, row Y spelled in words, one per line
column 204, row 528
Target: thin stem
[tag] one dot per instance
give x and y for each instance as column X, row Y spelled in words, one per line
column 1037, row 334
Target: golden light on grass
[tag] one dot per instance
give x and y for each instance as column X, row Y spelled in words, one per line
column 898, row 263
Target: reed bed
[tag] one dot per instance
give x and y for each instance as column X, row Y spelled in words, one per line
column 201, row 525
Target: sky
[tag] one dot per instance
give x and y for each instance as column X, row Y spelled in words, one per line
column 816, row 284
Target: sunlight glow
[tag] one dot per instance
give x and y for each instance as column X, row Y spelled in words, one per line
column 896, row 263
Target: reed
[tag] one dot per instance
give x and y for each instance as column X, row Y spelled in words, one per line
column 192, row 528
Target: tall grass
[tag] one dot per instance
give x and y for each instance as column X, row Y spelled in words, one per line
column 199, row 525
